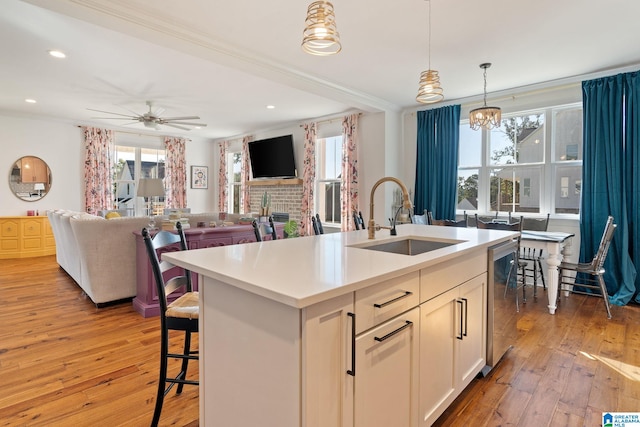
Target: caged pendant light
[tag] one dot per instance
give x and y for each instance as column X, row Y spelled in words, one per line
column 485, row 117
column 320, row 35
column 430, row 90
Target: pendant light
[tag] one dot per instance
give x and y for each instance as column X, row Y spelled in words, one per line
column 320, row 35
column 429, row 91
column 485, row 117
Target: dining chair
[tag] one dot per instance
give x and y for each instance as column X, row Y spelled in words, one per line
column 319, row 224
column 181, row 314
column 533, row 257
column 446, row 222
column 516, row 267
column 260, row 230
column 589, row 274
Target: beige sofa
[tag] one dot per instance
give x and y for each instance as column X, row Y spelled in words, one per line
column 100, row 254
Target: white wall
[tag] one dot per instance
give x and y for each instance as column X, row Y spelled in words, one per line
column 61, row 145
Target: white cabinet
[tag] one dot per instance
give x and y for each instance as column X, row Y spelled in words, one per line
column 386, row 390
column 326, row 348
column 452, row 345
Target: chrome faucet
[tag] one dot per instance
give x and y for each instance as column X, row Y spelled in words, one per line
column 406, row 203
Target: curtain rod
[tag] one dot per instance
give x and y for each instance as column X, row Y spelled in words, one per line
column 318, row 122
column 135, row 133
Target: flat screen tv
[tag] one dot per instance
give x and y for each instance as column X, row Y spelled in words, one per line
column 272, row 158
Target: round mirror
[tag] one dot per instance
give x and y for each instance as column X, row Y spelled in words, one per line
column 30, row 178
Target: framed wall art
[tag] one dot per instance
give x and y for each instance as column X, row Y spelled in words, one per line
column 199, row 176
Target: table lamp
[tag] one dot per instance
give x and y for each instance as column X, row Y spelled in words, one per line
column 149, row 188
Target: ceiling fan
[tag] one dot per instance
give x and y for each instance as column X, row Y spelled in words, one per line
column 152, row 119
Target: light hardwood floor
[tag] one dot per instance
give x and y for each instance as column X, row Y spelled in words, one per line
column 64, row 362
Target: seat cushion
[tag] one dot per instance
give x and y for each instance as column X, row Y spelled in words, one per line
column 186, row 307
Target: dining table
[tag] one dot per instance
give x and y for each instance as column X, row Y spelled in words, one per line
column 558, row 247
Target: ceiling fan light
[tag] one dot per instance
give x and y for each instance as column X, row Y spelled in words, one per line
column 430, row 90
column 320, row 36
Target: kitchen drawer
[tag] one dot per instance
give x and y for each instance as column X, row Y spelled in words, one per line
column 439, row 278
column 385, row 300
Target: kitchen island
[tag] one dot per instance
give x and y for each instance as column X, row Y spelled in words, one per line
column 321, row 331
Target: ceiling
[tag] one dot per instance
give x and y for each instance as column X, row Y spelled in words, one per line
column 225, row 61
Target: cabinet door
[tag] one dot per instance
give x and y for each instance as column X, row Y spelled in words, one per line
column 326, row 357
column 386, row 392
column 439, row 327
column 472, row 348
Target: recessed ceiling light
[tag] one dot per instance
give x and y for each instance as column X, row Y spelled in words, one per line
column 270, row 107
column 30, row 101
column 57, row 54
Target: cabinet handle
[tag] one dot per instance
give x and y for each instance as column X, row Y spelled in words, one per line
column 466, row 317
column 392, row 333
column 461, row 315
column 391, row 301
column 352, row 371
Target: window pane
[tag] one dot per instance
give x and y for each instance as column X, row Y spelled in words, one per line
column 568, row 189
column 519, row 139
column 470, row 152
column 329, row 202
column 515, row 189
column 468, row 189
column 567, row 134
column 152, row 163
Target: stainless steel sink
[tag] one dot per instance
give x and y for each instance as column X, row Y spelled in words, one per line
column 409, row 246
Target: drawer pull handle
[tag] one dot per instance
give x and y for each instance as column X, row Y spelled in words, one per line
column 392, row 333
column 466, row 315
column 391, row 301
column 461, row 319
column 352, row 371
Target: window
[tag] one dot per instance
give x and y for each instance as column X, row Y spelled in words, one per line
column 234, row 181
column 511, row 169
column 131, row 164
column 328, row 175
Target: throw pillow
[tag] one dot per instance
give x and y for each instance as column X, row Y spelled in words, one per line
column 111, row 215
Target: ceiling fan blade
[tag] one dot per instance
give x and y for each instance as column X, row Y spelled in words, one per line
column 176, row 126
column 109, row 112
column 181, row 118
column 184, row 123
column 115, row 118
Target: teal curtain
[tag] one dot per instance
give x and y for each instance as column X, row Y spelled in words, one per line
column 609, row 183
column 437, row 161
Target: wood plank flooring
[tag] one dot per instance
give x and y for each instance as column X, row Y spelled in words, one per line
column 64, row 362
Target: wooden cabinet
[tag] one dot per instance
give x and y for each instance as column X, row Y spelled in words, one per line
column 25, row 237
column 452, row 345
column 33, row 169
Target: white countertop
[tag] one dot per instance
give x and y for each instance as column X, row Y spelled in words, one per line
column 306, row 270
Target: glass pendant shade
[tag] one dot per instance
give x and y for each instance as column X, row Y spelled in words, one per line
column 430, row 90
column 320, row 35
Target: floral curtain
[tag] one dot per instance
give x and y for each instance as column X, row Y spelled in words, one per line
column 175, row 173
column 98, row 169
column 222, row 176
column 308, row 178
column 245, row 173
column 349, row 182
